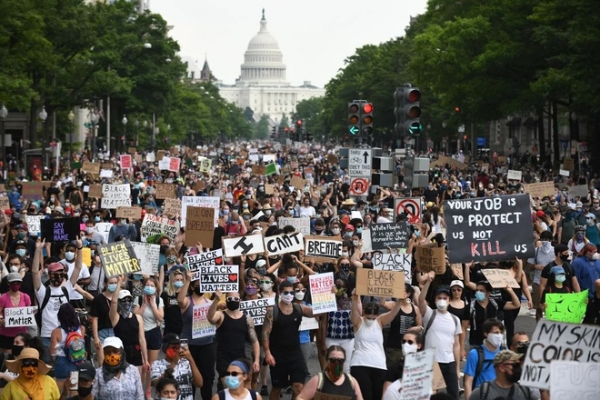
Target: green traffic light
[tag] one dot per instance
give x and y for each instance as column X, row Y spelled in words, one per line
column 415, row 128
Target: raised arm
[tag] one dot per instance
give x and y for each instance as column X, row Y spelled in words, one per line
column 468, row 282
column 355, row 315
column 37, row 257
column 182, row 298
column 78, row 263
column 214, row 316
column 423, row 295
column 388, row 317
column 113, row 313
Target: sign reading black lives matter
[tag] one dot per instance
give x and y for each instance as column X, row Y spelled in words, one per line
column 219, row 277
column 196, row 261
column 257, row 309
column 118, row 259
column 489, row 229
column 395, row 236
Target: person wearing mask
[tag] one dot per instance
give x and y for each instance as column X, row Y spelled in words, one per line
column 479, row 367
column 236, row 379
column 561, row 260
column 172, row 312
column 166, row 269
column 99, row 315
column 86, row 375
column 91, row 233
column 179, row 365
column 71, row 250
column 459, row 307
column 116, row 379
column 557, row 286
column 22, row 236
column 21, row 249
column 544, row 255
column 305, row 342
column 332, row 381
column 122, row 228
column 32, row 381
column 20, row 342
column 578, row 241
column 592, row 313
column 507, row 365
column 167, row 389
column 69, row 322
column 412, row 342
column 587, row 269
column 12, row 299
column 592, row 232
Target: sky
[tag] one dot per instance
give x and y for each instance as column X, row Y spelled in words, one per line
column 315, row 36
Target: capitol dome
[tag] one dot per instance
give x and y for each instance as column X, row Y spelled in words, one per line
column 263, row 60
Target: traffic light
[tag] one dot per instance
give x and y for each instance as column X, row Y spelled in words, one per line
column 409, row 165
column 274, row 132
column 354, row 118
column 309, row 137
column 412, row 111
column 367, row 119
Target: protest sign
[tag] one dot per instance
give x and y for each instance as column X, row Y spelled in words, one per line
column 297, row 182
column 106, row 173
column 457, row 270
column 59, row 229
column 153, row 225
column 4, row 203
column 564, row 172
column 570, row 380
column 114, row 196
column 300, row 224
column 90, row 167
column 195, row 261
column 172, row 208
column 243, row 245
column 395, row 236
column 199, row 226
column 33, row 224
column 103, row 228
column 131, row 150
column 200, row 325
column 131, row 213
column 32, row 190
column 323, row 300
column 489, row 229
column 514, row 175
column 308, row 324
column 160, row 155
column 443, row 160
column 165, row 190
column 86, row 256
column 372, row 282
column 269, row 189
column 219, row 277
column 257, row 309
column 200, row 201
column 125, row 161
column 431, row 257
column 399, row 262
column 322, row 248
column 118, row 259
column 500, row 278
column 19, row 316
column 540, row 190
column 367, row 246
column 259, row 170
column 205, row 165
column 174, row 164
column 579, row 191
column 568, row 164
column 148, row 254
column 553, row 341
column 271, row 169
column 282, row 244
column 438, row 379
column 163, row 164
column 566, row 307
column 95, row 191
column 417, row 376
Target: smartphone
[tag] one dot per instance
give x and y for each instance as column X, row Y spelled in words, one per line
column 74, row 380
column 183, row 343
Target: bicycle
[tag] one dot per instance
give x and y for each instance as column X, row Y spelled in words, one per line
column 90, row 346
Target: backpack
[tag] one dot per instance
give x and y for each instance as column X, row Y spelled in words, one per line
column 430, row 322
column 480, row 363
column 321, row 381
column 222, row 396
column 75, row 347
column 485, row 390
column 499, row 313
column 47, row 295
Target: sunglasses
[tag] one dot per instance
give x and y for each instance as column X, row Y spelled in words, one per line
column 337, row 360
column 345, row 264
column 457, row 289
column 233, row 299
column 266, row 282
column 233, row 373
column 522, row 344
column 300, row 290
column 409, row 341
column 287, row 292
column 29, row 363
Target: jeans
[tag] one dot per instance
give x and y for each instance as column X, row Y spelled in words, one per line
column 450, row 377
column 46, row 355
column 205, row 358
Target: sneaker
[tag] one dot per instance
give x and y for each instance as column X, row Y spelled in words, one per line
column 264, row 391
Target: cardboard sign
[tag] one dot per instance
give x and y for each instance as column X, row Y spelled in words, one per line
column 199, row 226
column 443, row 160
column 172, row 208
column 200, row 325
column 297, row 182
column 540, row 190
column 457, row 270
column 323, row 300
column 4, row 203
column 33, row 190
column 322, row 248
column 431, row 258
column 114, row 196
column 200, row 201
column 566, row 307
column 125, row 161
column 485, row 167
column 153, row 225
column 60, row 229
column 558, row 341
column 148, row 255
column 332, row 159
column 372, row 282
column 91, row 168
column 205, row 165
column 259, row 170
column 257, row 309
column 574, row 380
column 417, row 376
column 514, row 175
column 395, row 236
column 568, row 164
column 118, row 259
column 33, row 224
column 160, row 155
column 300, row 224
column 243, row 245
column 489, row 229
column 500, row 278
column 219, row 277
column 399, row 262
column 131, row 150
column 95, row 191
column 282, row 244
column 165, row 190
column 579, row 190
column 196, row 261
column 438, row 379
column 19, row 316
column 131, row 213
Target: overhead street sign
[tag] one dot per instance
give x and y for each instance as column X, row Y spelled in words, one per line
column 360, row 163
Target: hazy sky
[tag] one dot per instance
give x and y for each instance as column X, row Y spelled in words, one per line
column 315, row 36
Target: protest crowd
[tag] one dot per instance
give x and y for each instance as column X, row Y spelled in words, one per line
column 158, row 276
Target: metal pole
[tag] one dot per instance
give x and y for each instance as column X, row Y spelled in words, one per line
column 71, row 143
column 43, row 145
column 153, row 132
column 473, row 142
column 3, row 148
column 108, row 126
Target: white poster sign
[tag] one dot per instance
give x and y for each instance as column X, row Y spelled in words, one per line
column 33, row 224
column 400, row 262
column 200, row 201
column 243, row 245
column 282, row 244
column 417, row 375
column 300, row 224
column 19, row 316
column 574, row 380
column 148, row 254
column 114, row 196
column 514, row 175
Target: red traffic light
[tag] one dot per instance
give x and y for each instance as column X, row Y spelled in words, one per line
column 413, row 95
column 457, row 109
column 465, row 137
column 368, row 108
column 299, row 122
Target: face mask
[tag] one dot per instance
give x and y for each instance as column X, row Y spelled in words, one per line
column 335, row 370
column 178, row 284
column 408, row 348
column 97, row 219
column 84, row 391
column 69, row 255
column 232, row 305
column 564, row 257
column 495, row 339
column 245, row 205
column 232, row 382
column 57, row 281
column 171, row 259
column 52, row 198
column 225, row 212
column 125, row 308
column 291, row 279
column 369, row 322
column 14, row 286
column 20, row 253
column 149, row 290
column 112, row 287
column 560, row 278
column 266, row 286
column 15, row 269
column 299, row 296
column 197, row 291
column 287, row 298
column 123, row 222
column 516, row 373
column 596, row 256
column 546, row 245
column 171, row 353
column 579, row 235
column 21, row 236
column 251, row 290
column 267, row 212
column 441, row 305
column 335, row 231
column 89, row 229
column 345, row 254
column 137, row 277
column 112, row 360
column 479, row 296
column 16, row 350
column 359, row 230
column 355, row 243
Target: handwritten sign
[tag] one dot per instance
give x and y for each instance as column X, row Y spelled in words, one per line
column 417, row 375
column 540, row 190
column 257, row 309
column 323, row 300
column 129, row 212
column 574, row 380
column 33, row 224
column 219, row 277
column 489, row 229
column 371, row 282
column 200, row 201
column 431, row 258
column 391, row 235
column 200, row 325
column 4, row 203
column 566, row 307
column 243, row 245
column 172, row 208
column 399, row 262
column 165, row 190
column 118, row 259
column 205, row 165
column 322, row 248
column 443, row 160
column 153, row 225
column 199, row 226
column 125, row 161
column 300, row 224
column 90, row 167
column 33, row 190
column 282, row 244
column 148, row 256
column 457, row 270
column 196, row 261
column 19, row 316
column 500, row 278
column 114, row 196
column 59, row 229
column 95, row 191
column 514, row 175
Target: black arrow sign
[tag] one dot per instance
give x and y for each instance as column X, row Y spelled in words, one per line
column 366, row 154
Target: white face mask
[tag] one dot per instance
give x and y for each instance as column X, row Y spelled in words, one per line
column 408, row 348
column 495, row 339
column 299, row 296
column 355, row 243
column 441, row 305
column 287, row 298
column 266, row 286
column 369, row 322
column 335, row 231
column 344, row 254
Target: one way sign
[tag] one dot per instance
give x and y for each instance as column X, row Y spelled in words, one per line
column 360, row 163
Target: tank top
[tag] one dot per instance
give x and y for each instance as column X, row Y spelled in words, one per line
column 59, row 351
column 231, row 335
column 128, row 330
column 461, row 313
column 284, row 335
column 339, row 325
column 173, row 321
column 400, row 324
column 592, row 234
column 186, row 331
column 345, row 389
column 368, row 347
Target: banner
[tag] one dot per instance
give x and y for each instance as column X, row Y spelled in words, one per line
column 60, row 229
column 301, row 225
column 243, row 245
column 372, row 282
column 148, row 254
column 19, row 316
column 574, row 380
column 4, row 203
column 153, row 225
column 323, row 300
column 199, row 226
column 200, row 325
column 200, row 201
column 114, row 196
column 395, row 236
column 118, row 259
column 431, row 258
column 282, row 244
column 164, row 190
column 33, row 224
column 257, row 309
column 399, row 262
column 205, row 165
column 566, row 307
column 132, row 213
column 322, row 248
column 219, row 277
column 417, row 376
column 172, row 208
column 195, row 261
column 500, row 278
column 489, row 229
column 553, row 341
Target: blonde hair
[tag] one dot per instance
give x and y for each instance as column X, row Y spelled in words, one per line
column 171, row 290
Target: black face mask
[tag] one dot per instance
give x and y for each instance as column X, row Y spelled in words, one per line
column 564, row 257
column 84, row 391
column 522, row 350
column 516, row 375
column 16, row 350
column 232, row 305
column 197, row 291
column 163, row 249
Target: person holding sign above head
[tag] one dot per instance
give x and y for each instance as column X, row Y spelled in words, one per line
column 71, row 250
column 14, row 298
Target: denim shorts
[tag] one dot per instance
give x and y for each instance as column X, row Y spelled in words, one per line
column 104, row 333
column 63, row 367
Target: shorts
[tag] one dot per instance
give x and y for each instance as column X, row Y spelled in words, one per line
column 63, row 367
column 290, row 366
column 153, row 339
column 535, row 295
column 250, row 353
column 104, row 333
column 6, row 342
column 133, row 354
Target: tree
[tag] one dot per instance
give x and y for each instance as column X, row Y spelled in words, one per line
column 262, row 127
column 311, row 110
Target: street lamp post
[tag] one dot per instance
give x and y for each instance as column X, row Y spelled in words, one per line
column 3, row 115
column 71, row 118
column 43, row 116
column 93, row 120
column 124, row 121
column 137, row 125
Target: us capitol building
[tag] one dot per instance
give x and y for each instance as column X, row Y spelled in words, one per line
column 262, row 85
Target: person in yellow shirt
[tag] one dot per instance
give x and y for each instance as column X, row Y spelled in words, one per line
column 33, row 383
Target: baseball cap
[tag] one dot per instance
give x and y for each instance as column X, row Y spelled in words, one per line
column 113, row 341
column 124, row 293
column 87, row 372
column 578, row 204
column 457, row 283
column 21, row 226
column 506, row 355
column 20, row 243
column 261, row 263
column 171, row 338
column 556, row 270
column 540, row 213
column 14, row 277
column 442, row 289
column 55, row 266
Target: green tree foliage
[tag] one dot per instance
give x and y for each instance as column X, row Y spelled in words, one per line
column 311, row 110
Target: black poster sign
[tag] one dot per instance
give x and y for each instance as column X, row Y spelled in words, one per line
column 489, row 229
column 60, row 229
column 395, row 236
column 118, row 258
